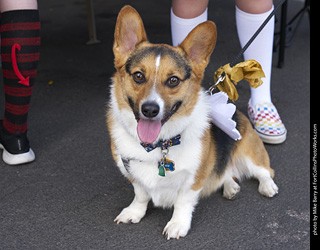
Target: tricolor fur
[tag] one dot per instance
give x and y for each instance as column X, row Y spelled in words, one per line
column 156, row 95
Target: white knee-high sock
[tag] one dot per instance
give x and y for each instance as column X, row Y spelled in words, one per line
column 180, row 27
column 260, row 49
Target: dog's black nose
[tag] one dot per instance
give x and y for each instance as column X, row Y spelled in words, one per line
column 150, row 109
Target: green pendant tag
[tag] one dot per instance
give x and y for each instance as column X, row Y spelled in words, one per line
column 162, row 171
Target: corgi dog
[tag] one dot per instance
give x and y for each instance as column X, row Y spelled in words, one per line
column 162, row 139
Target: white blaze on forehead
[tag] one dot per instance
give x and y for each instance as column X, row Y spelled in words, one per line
column 154, row 92
column 158, row 58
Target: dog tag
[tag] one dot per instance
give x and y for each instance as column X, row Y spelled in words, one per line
column 162, row 171
column 169, row 165
column 165, row 165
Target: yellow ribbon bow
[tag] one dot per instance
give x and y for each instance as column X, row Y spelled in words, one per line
column 249, row 70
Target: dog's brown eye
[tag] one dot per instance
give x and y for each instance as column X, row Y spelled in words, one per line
column 138, row 77
column 173, row 81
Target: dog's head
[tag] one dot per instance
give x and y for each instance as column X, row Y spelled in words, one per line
column 157, row 82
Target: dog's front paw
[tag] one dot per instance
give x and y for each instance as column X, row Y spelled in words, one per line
column 176, row 229
column 130, row 215
column 268, row 188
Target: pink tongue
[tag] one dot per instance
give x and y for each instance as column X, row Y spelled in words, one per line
column 148, row 130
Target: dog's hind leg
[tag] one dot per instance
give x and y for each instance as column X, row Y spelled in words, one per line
column 137, row 209
column 267, row 187
column 252, row 160
column 230, row 187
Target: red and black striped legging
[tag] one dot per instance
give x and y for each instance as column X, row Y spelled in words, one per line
column 20, row 29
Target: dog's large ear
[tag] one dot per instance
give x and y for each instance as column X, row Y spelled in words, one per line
column 199, row 45
column 128, row 33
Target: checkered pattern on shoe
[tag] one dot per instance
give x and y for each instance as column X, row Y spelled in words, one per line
column 265, row 119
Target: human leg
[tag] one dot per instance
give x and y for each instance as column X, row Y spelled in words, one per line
column 250, row 14
column 20, row 28
column 261, row 48
column 186, row 15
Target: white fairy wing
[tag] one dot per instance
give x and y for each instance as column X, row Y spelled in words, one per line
column 221, row 114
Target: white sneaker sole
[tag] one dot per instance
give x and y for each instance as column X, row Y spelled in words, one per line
column 16, row 159
column 272, row 139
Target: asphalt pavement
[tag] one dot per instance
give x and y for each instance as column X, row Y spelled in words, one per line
column 69, row 197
